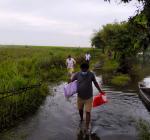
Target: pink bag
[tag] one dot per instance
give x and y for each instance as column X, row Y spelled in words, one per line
column 70, row 89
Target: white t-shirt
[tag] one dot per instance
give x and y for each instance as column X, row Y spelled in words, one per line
column 70, row 62
column 87, row 57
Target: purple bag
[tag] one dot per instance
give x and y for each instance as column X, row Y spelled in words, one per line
column 70, row 89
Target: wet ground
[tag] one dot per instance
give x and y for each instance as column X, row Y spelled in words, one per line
column 58, row 119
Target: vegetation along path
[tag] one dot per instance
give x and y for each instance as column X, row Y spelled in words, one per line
column 57, row 118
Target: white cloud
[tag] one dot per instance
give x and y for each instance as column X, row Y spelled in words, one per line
column 71, row 20
column 34, row 21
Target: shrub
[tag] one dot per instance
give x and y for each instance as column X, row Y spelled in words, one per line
column 144, row 130
column 120, row 80
column 51, row 62
column 80, row 59
column 136, row 72
column 110, row 66
column 103, row 57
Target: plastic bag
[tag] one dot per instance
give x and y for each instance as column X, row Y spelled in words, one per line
column 100, row 99
column 70, row 89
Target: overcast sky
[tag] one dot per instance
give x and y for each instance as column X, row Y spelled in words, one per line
column 57, row 22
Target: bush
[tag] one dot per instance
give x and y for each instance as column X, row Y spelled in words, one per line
column 120, row 80
column 136, row 72
column 110, row 66
column 144, row 130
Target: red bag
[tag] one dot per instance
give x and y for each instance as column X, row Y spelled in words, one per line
column 100, row 99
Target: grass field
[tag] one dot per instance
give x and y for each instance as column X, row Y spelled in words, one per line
column 22, row 66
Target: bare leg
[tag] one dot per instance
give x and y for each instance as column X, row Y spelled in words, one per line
column 81, row 114
column 88, row 119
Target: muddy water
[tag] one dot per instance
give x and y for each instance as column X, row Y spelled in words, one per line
column 58, row 119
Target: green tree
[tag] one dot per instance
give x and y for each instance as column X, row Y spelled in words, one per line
column 97, row 41
column 122, row 39
column 146, row 12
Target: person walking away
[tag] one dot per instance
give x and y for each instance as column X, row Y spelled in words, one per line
column 87, row 57
column 85, row 92
column 70, row 62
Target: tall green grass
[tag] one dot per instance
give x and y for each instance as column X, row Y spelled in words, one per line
column 24, row 66
column 144, row 130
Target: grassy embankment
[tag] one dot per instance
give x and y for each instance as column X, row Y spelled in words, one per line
column 24, row 66
column 144, row 130
column 109, row 68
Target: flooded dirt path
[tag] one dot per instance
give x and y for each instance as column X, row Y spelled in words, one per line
column 58, row 119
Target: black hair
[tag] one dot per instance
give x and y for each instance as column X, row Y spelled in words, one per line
column 84, row 66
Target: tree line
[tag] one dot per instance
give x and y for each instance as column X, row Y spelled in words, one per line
column 126, row 39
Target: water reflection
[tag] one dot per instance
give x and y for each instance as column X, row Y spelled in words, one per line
column 83, row 136
column 146, row 82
